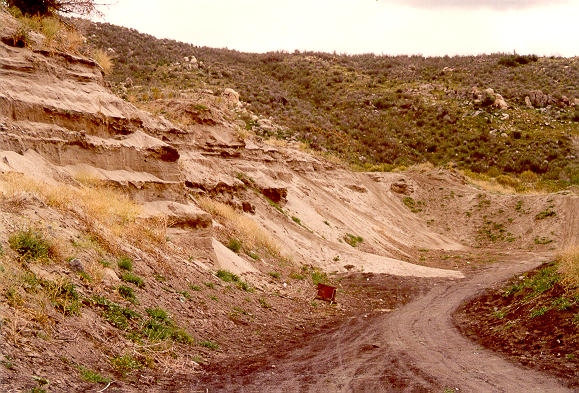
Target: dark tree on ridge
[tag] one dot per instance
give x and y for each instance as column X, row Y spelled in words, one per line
column 49, row 7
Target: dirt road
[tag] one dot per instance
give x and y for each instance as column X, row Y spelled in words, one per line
column 413, row 349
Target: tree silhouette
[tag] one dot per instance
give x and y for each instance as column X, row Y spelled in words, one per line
column 49, row 7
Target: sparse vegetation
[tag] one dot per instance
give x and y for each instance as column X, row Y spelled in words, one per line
column 30, row 245
column 234, row 245
column 548, row 212
column 63, row 296
column 92, row 376
column 125, row 263
column 126, row 364
column 367, row 109
column 251, row 233
column 133, row 279
column 230, row 277
column 103, row 60
column 264, row 304
column 353, row 240
column 319, row 277
column 209, row 344
column 127, row 293
column 414, row 206
column 569, row 267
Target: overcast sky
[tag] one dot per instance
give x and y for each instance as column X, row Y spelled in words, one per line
column 427, row 27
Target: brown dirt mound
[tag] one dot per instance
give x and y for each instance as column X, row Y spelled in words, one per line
column 532, row 319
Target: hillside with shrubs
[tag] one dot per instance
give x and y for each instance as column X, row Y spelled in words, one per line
column 490, row 114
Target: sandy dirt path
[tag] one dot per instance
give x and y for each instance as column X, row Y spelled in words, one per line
column 413, row 349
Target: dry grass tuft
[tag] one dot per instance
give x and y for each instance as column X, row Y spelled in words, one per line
column 103, row 59
column 250, row 232
column 569, row 266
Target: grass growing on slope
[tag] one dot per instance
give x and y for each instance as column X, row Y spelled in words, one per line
column 252, row 235
column 110, row 215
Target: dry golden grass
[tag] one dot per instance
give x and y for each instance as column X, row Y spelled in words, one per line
column 58, row 35
column 493, row 186
column 29, row 305
column 422, row 167
column 103, row 59
column 250, row 232
column 110, row 216
column 569, row 266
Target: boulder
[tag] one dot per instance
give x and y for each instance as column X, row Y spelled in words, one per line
column 500, row 102
column 231, row 96
column 539, row 99
column 528, row 102
column 109, row 276
column 401, row 187
column 76, row 265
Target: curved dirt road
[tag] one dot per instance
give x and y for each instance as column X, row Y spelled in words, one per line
column 414, row 349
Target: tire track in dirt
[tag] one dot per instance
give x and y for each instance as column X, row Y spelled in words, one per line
column 425, row 329
column 417, row 348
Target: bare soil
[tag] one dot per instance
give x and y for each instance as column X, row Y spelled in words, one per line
column 415, row 348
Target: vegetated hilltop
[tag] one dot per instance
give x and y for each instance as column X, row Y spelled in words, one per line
column 379, row 109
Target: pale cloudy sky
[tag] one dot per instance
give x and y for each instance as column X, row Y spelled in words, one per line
column 427, row 27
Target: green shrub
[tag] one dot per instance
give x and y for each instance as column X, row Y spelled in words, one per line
column 353, row 240
column 545, row 213
column 127, row 292
column 227, row 276
column 507, row 180
column 234, row 245
column 92, row 376
column 209, row 344
column 133, row 279
column 30, row 245
column 114, row 314
column 125, row 364
column 230, row 277
column 319, row 277
column 158, row 313
column 125, row 263
column 264, row 304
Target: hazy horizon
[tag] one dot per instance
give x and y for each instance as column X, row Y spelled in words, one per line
column 384, row 27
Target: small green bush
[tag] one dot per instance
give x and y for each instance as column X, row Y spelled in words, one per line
column 209, row 344
column 234, row 245
column 30, row 245
column 353, row 240
column 158, row 314
column 264, row 304
column 544, row 214
column 125, row 364
column 125, row 263
column 92, row 376
column 133, row 279
column 227, row 276
column 113, row 313
column 319, row 277
column 230, row 277
column 126, row 292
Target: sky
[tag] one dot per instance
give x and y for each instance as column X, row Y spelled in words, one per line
column 390, row 27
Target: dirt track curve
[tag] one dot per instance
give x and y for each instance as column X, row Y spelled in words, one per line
column 414, row 349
